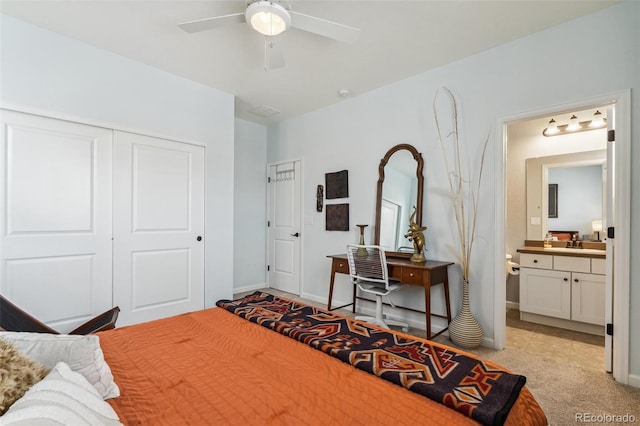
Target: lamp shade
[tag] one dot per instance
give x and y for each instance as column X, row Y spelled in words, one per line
column 596, row 225
column 268, row 18
column 552, row 129
column 573, row 123
column 598, row 120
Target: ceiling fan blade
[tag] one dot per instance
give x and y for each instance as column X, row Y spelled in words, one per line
column 273, row 55
column 211, row 23
column 324, row 28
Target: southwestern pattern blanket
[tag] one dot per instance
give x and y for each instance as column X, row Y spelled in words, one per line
column 461, row 382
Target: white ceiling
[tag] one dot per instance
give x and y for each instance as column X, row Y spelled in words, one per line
column 399, row 39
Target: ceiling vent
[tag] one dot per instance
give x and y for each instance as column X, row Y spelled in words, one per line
column 264, row 111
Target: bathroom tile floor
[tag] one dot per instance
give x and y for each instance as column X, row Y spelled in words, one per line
column 544, row 342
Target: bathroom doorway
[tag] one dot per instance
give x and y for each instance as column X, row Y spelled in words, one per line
column 512, row 228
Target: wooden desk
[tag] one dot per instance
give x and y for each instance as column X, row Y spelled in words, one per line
column 426, row 274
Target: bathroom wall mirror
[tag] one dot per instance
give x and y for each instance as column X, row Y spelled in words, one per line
column 580, row 179
column 400, row 188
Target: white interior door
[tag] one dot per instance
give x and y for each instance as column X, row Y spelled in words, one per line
column 55, row 252
column 158, row 227
column 389, row 225
column 284, row 227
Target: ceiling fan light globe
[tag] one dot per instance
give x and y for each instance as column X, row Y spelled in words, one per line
column 268, row 18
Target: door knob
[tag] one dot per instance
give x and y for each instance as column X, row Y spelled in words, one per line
column 199, row 238
column 297, row 234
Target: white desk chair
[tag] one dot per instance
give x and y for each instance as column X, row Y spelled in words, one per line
column 368, row 270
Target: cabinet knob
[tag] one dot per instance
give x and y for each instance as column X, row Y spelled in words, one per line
column 340, row 265
column 566, row 279
column 199, row 238
column 576, row 280
column 411, row 274
column 535, row 260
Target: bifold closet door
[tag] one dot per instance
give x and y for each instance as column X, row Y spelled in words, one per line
column 55, row 215
column 158, row 227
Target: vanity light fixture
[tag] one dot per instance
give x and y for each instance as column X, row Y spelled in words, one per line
column 553, row 129
column 268, row 18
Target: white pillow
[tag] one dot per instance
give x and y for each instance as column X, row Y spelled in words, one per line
column 82, row 353
column 63, row 397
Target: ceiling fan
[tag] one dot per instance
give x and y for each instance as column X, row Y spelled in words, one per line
column 270, row 18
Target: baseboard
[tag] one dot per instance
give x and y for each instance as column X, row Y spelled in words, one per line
column 513, row 305
column 634, row 380
column 252, row 287
column 318, row 299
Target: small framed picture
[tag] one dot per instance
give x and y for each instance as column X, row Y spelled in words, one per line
column 553, row 200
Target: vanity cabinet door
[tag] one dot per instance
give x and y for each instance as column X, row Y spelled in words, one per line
column 587, row 298
column 545, row 292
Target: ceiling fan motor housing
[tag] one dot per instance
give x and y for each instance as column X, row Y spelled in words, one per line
column 267, row 17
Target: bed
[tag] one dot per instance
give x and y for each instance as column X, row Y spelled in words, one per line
column 258, row 360
column 271, row 361
column 563, row 235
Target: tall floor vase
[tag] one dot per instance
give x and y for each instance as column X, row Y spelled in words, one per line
column 464, row 330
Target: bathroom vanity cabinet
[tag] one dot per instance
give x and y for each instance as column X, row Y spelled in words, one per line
column 563, row 289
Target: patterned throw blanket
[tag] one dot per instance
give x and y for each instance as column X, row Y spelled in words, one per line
column 458, row 381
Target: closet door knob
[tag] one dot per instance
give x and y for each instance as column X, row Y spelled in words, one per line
column 199, row 238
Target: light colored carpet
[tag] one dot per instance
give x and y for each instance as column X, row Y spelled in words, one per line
column 564, row 370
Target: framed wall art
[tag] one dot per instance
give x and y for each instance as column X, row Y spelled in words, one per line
column 337, row 217
column 337, row 184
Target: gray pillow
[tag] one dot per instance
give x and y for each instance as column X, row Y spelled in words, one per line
column 81, row 353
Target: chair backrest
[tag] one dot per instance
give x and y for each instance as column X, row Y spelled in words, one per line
column 368, row 263
column 13, row 318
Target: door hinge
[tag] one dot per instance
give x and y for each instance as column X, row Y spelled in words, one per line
column 268, row 223
column 609, row 329
column 611, row 135
column 268, row 268
column 611, row 232
column 269, row 179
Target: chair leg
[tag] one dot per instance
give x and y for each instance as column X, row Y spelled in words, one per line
column 404, row 325
column 379, row 315
column 380, row 319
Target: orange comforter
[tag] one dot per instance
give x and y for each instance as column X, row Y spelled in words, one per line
column 212, row 367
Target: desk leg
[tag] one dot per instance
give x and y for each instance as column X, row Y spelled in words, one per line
column 427, row 304
column 355, row 290
column 446, row 296
column 333, row 278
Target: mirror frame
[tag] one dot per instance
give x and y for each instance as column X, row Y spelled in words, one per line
column 383, row 162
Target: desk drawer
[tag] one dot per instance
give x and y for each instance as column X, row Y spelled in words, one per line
column 341, row 266
column 412, row 276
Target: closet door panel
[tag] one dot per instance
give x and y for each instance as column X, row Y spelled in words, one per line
column 158, row 217
column 56, row 218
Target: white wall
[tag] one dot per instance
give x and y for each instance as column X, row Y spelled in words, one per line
column 250, row 189
column 47, row 72
column 531, row 73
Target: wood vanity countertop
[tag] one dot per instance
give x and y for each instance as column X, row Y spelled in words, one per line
column 559, row 251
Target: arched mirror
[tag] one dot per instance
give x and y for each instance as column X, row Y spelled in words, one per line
column 400, row 187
